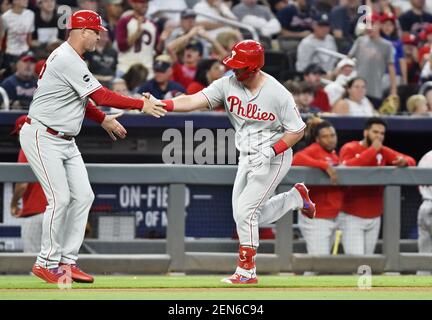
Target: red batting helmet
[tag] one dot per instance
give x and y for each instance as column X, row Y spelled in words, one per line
column 246, row 54
column 86, row 19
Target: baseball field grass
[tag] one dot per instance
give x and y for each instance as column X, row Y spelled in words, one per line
column 191, row 287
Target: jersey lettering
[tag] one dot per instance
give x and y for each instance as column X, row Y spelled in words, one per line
column 251, row 111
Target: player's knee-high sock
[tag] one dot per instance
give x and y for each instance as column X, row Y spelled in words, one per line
column 246, row 261
column 277, row 206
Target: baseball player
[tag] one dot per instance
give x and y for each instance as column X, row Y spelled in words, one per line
column 55, row 117
column 267, row 125
column 424, row 216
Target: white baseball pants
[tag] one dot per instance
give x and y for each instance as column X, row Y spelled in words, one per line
column 359, row 235
column 319, row 234
column 253, row 187
column 60, row 169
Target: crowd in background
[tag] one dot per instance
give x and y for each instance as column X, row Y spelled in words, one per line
column 342, row 58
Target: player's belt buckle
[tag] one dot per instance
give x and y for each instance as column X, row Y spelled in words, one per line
column 59, row 134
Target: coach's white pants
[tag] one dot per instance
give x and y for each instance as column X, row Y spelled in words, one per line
column 359, row 235
column 424, row 224
column 319, row 234
column 253, row 187
column 59, row 167
column 31, row 233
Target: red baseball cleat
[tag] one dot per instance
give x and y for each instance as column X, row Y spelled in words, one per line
column 76, row 273
column 308, row 209
column 239, row 279
column 54, row 275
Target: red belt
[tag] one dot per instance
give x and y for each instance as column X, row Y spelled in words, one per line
column 54, row 132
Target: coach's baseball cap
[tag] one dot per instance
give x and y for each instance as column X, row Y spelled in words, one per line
column 19, row 122
column 27, row 56
column 195, row 45
column 187, row 13
column 162, row 63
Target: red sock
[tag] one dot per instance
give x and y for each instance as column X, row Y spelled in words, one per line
column 246, row 257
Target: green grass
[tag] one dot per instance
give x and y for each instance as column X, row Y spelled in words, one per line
column 210, row 287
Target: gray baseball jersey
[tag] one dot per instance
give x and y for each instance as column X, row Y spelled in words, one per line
column 64, row 84
column 259, row 119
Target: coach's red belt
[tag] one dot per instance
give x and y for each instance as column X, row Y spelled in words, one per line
column 54, row 132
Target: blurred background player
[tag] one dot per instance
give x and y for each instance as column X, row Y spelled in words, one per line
column 362, row 207
column 319, row 232
column 33, row 204
column 424, row 216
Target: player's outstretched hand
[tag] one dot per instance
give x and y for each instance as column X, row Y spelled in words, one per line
column 332, row 175
column 113, row 127
column 153, row 106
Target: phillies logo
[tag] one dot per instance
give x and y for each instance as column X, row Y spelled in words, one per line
column 251, row 111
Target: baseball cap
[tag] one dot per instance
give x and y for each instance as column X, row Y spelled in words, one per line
column 188, row 13
column 162, row 63
column 322, row 20
column 409, row 38
column 27, row 56
column 313, row 68
column 19, row 122
column 388, row 16
column 195, row 45
column 345, row 62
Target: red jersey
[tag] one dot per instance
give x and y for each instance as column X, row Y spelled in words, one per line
column 321, row 100
column 194, row 87
column 366, row 202
column 183, row 74
column 422, row 52
column 328, row 200
column 34, row 201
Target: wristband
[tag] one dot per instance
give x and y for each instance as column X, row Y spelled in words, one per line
column 279, row 147
column 169, row 105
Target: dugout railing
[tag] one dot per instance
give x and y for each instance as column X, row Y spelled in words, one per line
column 177, row 259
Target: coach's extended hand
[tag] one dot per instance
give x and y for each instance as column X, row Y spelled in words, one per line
column 153, row 107
column 112, row 126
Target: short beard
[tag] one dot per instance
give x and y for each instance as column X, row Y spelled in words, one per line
column 368, row 141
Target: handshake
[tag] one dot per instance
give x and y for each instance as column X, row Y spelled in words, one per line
column 153, row 106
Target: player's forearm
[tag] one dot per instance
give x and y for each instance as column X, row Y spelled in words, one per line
column 19, row 190
column 364, row 159
column 108, row 98
column 186, row 103
column 93, row 113
column 301, row 159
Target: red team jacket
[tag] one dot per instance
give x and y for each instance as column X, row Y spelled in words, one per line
column 366, row 202
column 328, row 200
column 34, row 201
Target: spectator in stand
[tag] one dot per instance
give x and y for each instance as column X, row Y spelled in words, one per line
column 305, row 97
column 312, row 75
column 118, row 85
column 417, row 106
column 278, row 5
column 184, row 73
column 162, row 5
column 33, row 204
column 426, row 71
column 424, row 215
column 319, row 232
column 343, row 19
column 409, row 42
column 320, row 38
column 113, row 12
column 258, row 16
column 47, row 29
column 415, row 20
column 161, row 86
column 356, row 103
column 136, row 38
column 21, row 85
column 227, row 40
column 390, row 32
column 296, row 19
column 208, row 70
column 103, row 61
column 362, row 207
column 344, row 72
column 18, row 24
column 134, row 77
column 424, row 50
column 374, row 56
column 216, row 8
